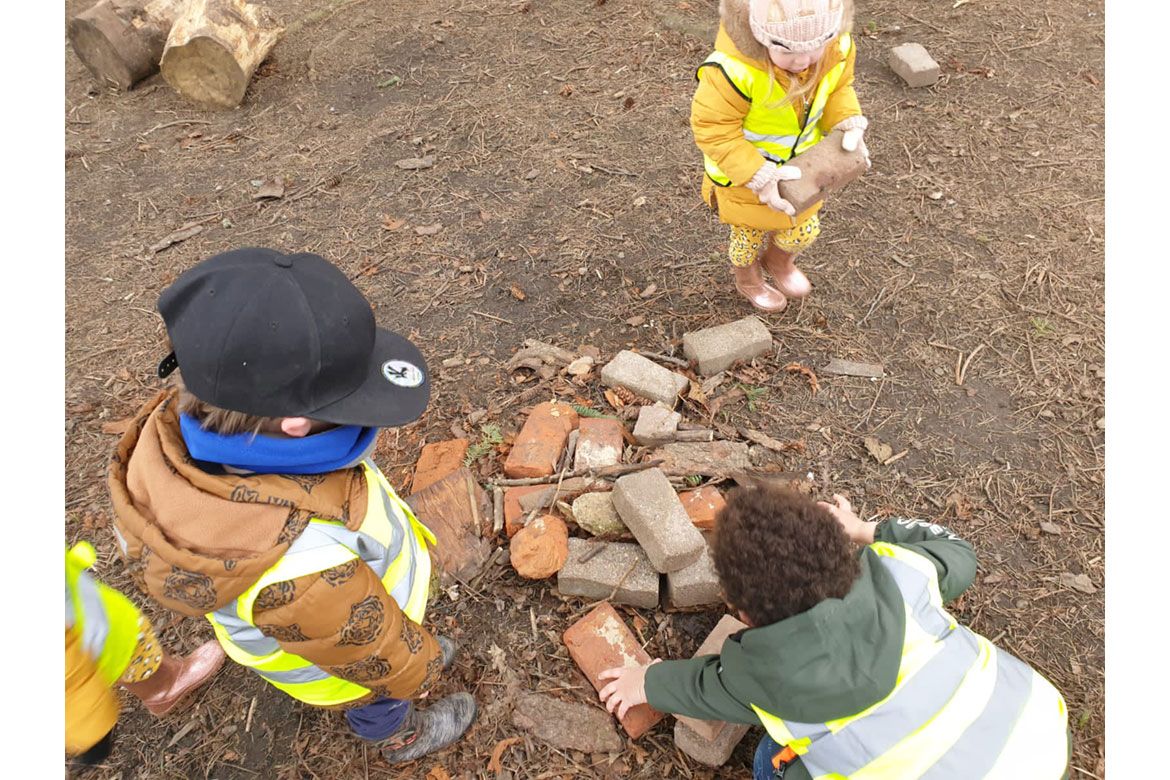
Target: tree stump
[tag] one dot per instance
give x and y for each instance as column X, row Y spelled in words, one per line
column 121, row 41
column 214, row 48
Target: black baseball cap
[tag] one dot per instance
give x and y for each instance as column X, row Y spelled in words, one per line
column 288, row 335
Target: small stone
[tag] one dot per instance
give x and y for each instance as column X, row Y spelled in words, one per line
column 580, row 367
column 600, row 444
column 702, row 506
column 1050, row 528
column 620, row 572
column 540, row 549
column 914, row 64
column 714, row 349
column 595, row 513
column 648, row 506
column 566, row 725
column 656, row 425
column 1079, row 582
column 644, row 378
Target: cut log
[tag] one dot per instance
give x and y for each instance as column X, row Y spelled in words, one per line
column 454, row 508
column 214, row 48
column 121, row 41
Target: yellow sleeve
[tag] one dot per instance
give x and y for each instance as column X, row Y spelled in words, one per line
column 91, row 708
column 842, row 103
column 717, row 113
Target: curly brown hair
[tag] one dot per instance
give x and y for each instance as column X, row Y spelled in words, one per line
column 779, row 554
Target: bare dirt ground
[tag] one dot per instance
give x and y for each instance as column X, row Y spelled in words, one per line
column 969, row 261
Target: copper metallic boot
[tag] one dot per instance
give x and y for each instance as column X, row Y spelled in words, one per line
column 177, row 677
column 782, row 266
column 750, row 282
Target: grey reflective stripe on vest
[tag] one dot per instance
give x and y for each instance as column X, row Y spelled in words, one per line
column 782, row 140
column 243, row 634
column 979, row 747
column 306, row 674
column 920, row 699
column 95, row 625
column 915, row 589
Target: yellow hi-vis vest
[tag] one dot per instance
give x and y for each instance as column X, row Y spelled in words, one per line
column 106, row 620
column 775, row 132
column 391, row 541
column 961, row 708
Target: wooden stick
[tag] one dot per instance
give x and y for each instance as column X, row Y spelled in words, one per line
column 497, row 510
column 667, row 359
column 608, row 471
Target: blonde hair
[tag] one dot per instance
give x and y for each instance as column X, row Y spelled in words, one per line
column 804, row 87
column 212, row 418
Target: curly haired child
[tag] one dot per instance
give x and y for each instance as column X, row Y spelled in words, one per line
column 780, row 80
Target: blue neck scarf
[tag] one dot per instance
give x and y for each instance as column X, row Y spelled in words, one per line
column 319, row 453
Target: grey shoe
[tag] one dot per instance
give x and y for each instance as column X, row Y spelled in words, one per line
column 430, row 730
column 448, row 648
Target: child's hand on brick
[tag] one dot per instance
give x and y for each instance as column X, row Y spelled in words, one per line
column 856, row 529
column 627, row 689
column 765, row 184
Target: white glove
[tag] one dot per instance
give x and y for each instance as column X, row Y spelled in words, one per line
column 854, row 128
column 765, row 185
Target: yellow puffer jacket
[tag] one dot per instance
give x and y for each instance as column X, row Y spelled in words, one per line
column 717, row 113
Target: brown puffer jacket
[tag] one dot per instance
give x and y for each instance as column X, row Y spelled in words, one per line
column 195, row 541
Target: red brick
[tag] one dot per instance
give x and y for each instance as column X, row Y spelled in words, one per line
column 601, row 640
column 600, row 444
column 540, row 549
column 436, row 461
column 702, row 505
column 713, row 645
column 513, row 512
column 539, row 444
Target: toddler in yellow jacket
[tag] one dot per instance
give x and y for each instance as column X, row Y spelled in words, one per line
column 780, row 79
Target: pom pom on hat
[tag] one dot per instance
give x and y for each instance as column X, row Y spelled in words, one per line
column 796, row 25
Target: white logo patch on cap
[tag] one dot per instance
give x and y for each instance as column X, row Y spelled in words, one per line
column 402, row 373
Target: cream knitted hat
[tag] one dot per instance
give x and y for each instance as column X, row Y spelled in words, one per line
column 795, row 25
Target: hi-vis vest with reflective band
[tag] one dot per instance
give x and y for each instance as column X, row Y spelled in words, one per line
column 391, row 541
column 775, row 132
column 106, row 620
column 961, row 708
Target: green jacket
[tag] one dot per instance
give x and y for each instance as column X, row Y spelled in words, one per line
column 834, row 660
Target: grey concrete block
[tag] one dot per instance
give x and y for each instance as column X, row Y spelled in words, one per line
column 656, row 425
column 648, row 505
column 714, row 349
column 594, row 513
column 597, row 577
column 694, row 586
column 914, row 64
column 712, row 459
column 643, row 377
column 712, row 752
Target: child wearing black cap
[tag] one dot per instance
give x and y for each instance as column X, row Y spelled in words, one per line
column 247, row 494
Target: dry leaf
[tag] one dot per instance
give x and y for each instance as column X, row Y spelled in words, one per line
column 993, row 578
column 1079, row 582
column 1050, row 528
column 880, row 451
column 628, row 104
column 566, row 90
column 797, row 368
column 649, row 291
column 635, row 321
column 775, row 445
column 390, row 223
column 518, row 293
column 498, row 753
column 416, row 163
column 613, row 399
column 438, row 773
column 961, row 504
column 117, row 426
column 532, row 174
column 429, row 230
